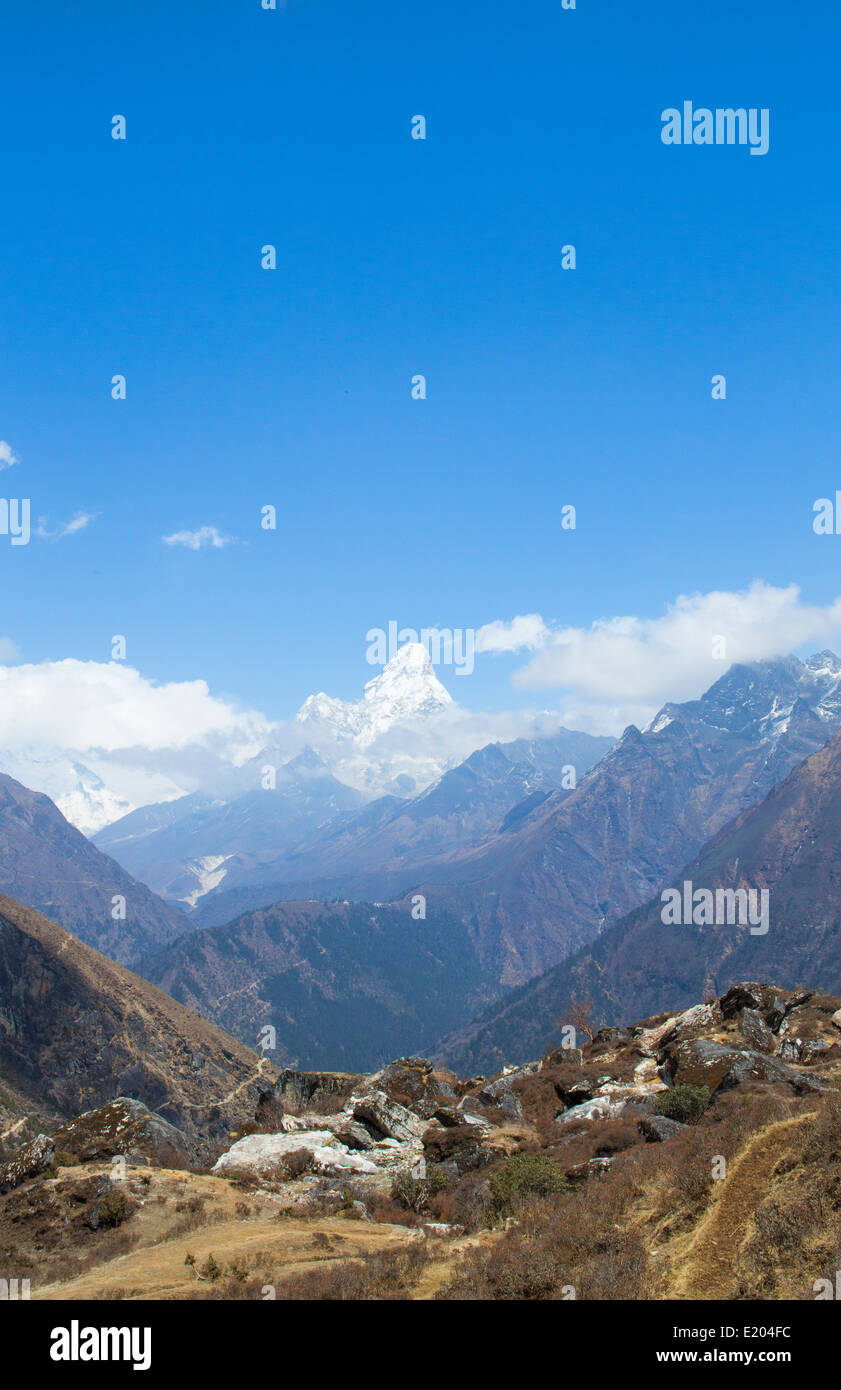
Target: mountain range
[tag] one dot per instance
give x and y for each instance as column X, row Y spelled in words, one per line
column 556, row 870
column 397, row 739
column 345, row 986
column 184, row 849
column 290, row 828
column 380, row 851
column 499, row 840
column 787, row 845
column 549, row 885
column 362, row 928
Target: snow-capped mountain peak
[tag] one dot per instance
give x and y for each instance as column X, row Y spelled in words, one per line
column 77, row 790
column 406, row 689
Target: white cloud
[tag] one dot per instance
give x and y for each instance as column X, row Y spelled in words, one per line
column 621, row 669
column 77, row 522
column 527, row 631
column 8, row 458
column 148, row 741
column 8, row 649
column 197, row 540
column 99, row 738
column 90, row 704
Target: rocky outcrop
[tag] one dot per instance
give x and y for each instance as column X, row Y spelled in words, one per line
column 457, row 1150
column 415, row 1083
column 756, row 1032
column 503, row 1091
column 128, row 1129
column 29, row 1162
column 702, row 1062
column 306, row 1088
column 410, row 1139
column 259, row 1152
column 599, row 1108
column 386, row 1118
column 656, row 1129
column 411, row 1119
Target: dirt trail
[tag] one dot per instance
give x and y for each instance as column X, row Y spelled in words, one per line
column 14, row 1129
column 705, row 1268
column 440, row 1270
column 256, row 1075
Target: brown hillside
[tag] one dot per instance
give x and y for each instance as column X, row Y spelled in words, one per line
column 76, row 1030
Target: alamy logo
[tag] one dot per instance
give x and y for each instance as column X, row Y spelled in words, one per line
column 724, row 907
column 723, row 126
column 13, row 1290
column 15, row 519
column 827, row 519
column 443, row 646
column 76, row 1343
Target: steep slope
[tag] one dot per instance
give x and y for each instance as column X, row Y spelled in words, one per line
column 544, row 888
column 788, row 845
column 47, row 863
column 76, row 1030
column 345, row 985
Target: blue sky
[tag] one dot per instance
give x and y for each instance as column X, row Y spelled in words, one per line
column 397, row 257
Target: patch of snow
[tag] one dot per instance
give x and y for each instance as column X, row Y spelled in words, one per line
column 208, row 872
column 661, row 722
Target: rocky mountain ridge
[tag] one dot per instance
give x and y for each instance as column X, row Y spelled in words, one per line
column 786, row 845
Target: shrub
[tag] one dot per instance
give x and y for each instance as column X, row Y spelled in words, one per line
column 210, row 1270
column 242, row 1131
column 464, row 1202
column 194, row 1205
column 525, row 1175
column 296, row 1163
column 112, row 1209
column 390, row 1274
column 270, row 1115
column 684, row 1103
column 415, row 1194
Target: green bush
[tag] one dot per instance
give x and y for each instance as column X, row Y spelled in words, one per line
column 684, row 1103
column 112, row 1209
column 525, row 1175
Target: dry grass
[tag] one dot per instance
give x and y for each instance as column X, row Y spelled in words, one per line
column 658, row 1225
